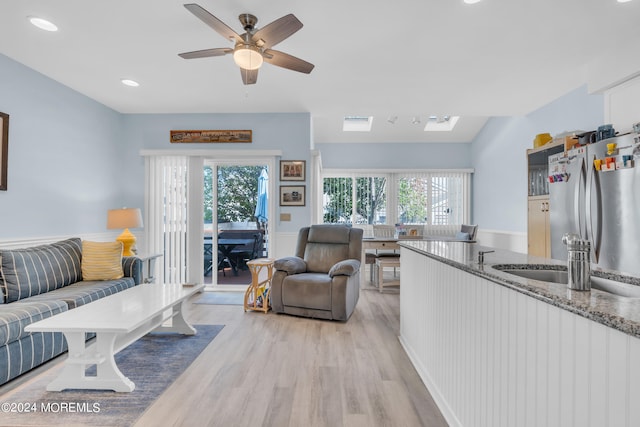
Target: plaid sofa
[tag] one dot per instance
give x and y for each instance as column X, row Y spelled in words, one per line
column 37, row 283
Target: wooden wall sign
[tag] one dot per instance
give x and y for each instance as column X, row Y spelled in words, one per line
column 215, row 136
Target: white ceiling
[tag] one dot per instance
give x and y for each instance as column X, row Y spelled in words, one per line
column 400, row 58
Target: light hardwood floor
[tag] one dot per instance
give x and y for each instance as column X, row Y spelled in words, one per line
column 280, row 370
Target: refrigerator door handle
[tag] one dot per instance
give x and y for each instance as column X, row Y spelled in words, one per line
column 593, row 234
column 580, row 180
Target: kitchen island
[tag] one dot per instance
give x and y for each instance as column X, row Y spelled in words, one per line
column 497, row 349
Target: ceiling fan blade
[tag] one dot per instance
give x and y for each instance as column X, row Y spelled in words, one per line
column 223, row 29
column 249, row 77
column 284, row 60
column 206, row 53
column 278, row 30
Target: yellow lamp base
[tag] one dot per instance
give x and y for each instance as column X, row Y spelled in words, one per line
column 128, row 242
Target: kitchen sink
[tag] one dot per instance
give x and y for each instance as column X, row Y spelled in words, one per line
column 560, row 276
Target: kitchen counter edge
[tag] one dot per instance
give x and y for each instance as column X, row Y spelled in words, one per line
column 620, row 313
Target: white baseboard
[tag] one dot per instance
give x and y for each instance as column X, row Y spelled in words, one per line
column 509, row 240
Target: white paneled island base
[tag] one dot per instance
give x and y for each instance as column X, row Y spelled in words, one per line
column 117, row 320
column 493, row 356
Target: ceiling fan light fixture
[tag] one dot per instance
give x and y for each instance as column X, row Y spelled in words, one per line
column 247, row 57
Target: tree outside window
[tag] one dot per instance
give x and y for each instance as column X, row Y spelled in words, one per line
column 237, row 193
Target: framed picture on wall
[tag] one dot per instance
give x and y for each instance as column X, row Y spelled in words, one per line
column 292, row 195
column 292, row 170
column 4, row 149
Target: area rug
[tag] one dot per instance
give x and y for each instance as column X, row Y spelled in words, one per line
column 221, row 298
column 153, row 363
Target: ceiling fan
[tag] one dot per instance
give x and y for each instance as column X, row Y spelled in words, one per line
column 254, row 46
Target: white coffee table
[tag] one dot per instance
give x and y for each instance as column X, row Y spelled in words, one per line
column 118, row 320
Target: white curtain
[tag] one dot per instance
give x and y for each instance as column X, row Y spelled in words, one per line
column 166, row 215
column 316, row 188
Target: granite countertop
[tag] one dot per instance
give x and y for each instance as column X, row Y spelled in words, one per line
column 617, row 312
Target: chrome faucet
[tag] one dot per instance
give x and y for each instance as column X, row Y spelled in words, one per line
column 578, row 262
column 481, row 256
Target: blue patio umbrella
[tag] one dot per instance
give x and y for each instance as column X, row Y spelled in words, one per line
column 263, row 197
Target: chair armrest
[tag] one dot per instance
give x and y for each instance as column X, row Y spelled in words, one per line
column 291, row 264
column 132, row 267
column 348, row 267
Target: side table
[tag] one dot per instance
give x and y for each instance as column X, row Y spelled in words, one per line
column 148, row 266
column 256, row 297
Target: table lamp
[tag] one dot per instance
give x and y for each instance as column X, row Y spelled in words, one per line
column 125, row 218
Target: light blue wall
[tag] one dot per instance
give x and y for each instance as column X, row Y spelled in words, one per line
column 499, row 156
column 395, row 156
column 71, row 158
column 64, row 152
column 289, row 132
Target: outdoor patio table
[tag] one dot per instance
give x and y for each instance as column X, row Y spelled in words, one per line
column 227, row 245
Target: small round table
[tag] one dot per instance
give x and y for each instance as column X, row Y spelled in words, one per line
column 256, row 297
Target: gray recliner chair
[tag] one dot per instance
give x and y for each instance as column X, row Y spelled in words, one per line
column 322, row 280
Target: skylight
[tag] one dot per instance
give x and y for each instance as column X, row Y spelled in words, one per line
column 441, row 123
column 357, row 123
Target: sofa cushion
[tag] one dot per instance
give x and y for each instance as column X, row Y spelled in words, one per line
column 462, row 236
column 320, row 257
column 14, row 317
column 101, row 260
column 32, row 271
column 309, row 290
column 31, row 350
column 291, row 264
column 348, row 267
column 84, row 292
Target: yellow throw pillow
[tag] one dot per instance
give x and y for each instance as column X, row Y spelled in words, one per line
column 101, row 260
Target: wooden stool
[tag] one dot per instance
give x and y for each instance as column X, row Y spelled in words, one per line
column 381, row 264
column 257, row 295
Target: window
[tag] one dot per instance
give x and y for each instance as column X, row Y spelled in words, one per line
column 432, row 198
column 439, row 198
column 354, row 200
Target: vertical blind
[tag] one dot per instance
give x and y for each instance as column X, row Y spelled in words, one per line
column 166, row 211
column 437, row 197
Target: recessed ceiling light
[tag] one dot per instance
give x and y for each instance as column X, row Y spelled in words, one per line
column 129, row 82
column 472, row 1
column 43, row 24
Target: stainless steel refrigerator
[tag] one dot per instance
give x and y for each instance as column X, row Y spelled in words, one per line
column 602, row 206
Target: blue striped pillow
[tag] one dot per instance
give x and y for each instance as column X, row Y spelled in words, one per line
column 32, row 271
